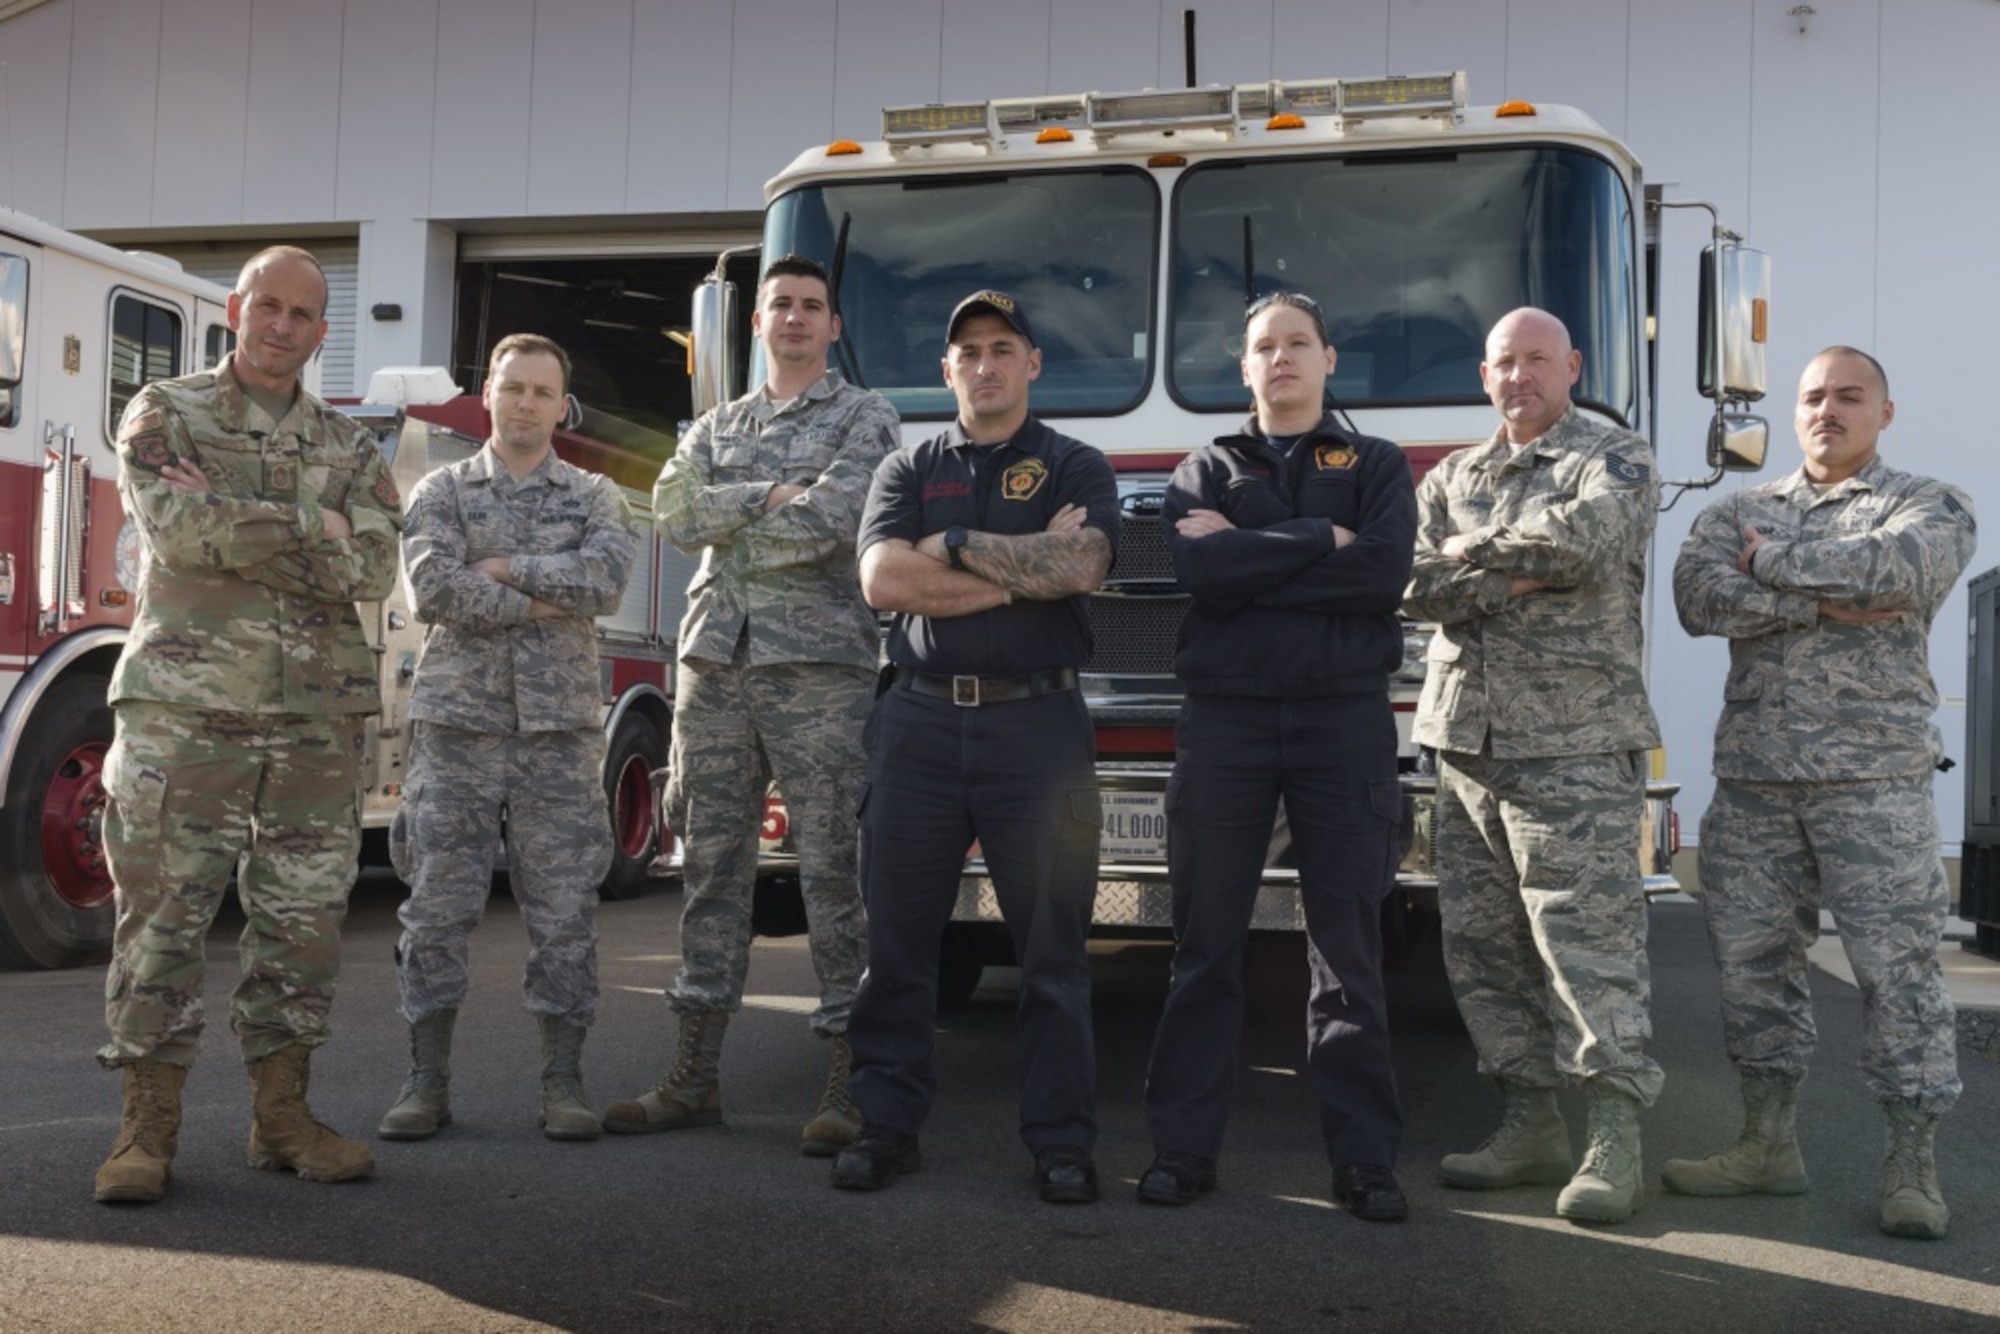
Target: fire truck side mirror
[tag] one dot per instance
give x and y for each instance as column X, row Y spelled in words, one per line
column 712, row 318
column 1735, row 314
column 1736, row 442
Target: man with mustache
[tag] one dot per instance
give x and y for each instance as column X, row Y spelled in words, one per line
column 1825, row 584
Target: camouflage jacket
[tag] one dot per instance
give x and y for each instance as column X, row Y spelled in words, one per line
column 1557, row 671
column 488, row 666
column 789, row 575
column 1812, row 700
column 244, row 603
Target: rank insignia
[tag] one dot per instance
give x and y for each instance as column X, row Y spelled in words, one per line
column 1626, row 471
column 1022, row 480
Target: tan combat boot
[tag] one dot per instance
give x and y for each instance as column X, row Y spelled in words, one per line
column 1609, row 1185
column 424, row 1106
column 1531, row 1147
column 283, row 1134
column 690, row 1094
column 1765, row 1160
column 566, row 1114
column 837, row 1120
column 1912, row 1202
column 148, row 1133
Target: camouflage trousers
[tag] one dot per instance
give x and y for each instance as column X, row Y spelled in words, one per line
column 800, row 723
column 1545, row 918
column 549, row 789
column 197, row 795
column 1773, row 855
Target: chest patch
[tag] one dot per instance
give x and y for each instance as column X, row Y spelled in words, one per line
column 1021, row 481
column 1327, row 457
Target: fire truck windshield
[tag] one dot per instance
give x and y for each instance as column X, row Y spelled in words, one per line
column 1079, row 248
column 1412, row 256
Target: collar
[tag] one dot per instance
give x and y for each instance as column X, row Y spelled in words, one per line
column 1031, row 439
column 232, row 403
column 1798, row 488
column 486, row 467
column 1252, row 435
column 1499, row 453
column 826, row 386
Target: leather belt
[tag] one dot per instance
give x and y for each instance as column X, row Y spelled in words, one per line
column 970, row 692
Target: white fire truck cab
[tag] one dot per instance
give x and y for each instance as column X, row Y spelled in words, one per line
column 1135, row 227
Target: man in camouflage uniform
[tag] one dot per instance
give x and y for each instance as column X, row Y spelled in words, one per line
column 1531, row 556
column 511, row 555
column 1825, row 583
column 778, row 655
column 240, row 698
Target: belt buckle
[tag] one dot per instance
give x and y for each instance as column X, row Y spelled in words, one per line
column 965, row 691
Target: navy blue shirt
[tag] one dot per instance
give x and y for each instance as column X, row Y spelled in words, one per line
column 1011, row 488
column 1276, row 609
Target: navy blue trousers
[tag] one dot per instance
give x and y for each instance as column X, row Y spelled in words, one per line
column 1332, row 761
column 1020, row 777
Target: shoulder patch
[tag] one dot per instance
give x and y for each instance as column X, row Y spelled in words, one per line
column 1333, row 456
column 1625, row 470
column 385, row 492
column 1021, row 481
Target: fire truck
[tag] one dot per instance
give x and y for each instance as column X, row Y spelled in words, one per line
column 82, row 327
column 1135, row 227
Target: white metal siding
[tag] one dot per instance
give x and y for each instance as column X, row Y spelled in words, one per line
column 222, row 261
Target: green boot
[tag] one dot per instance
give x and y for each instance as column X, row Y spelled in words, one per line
column 149, row 1128
column 424, row 1106
column 1531, row 1147
column 566, row 1114
column 690, row 1094
column 1765, row 1160
column 1609, row 1186
column 1912, row 1202
column 837, row 1120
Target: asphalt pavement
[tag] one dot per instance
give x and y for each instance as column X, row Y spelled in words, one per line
column 490, row 1227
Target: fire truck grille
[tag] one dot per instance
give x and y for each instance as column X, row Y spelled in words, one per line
column 1142, row 551
column 1134, row 636
column 1135, row 624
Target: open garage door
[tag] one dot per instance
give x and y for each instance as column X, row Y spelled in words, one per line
column 610, row 301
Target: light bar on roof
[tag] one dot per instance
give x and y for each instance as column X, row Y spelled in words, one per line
column 1402, row 95
column 1016, row 114
column 937, row 122
column 1164, row 109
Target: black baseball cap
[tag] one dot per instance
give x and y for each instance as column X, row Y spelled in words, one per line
column 990, row 302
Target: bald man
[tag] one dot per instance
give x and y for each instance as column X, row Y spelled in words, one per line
column 1531, row 557
column 241, row 698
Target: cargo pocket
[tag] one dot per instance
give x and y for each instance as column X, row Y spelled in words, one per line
column 401, row 860
column 137, row 793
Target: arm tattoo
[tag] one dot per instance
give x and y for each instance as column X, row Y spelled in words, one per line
column 1041, row 566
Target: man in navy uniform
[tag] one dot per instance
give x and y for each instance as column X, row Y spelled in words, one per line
column 983, row 542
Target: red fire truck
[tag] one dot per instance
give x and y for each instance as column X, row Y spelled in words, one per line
column 82, row 327
column 1135, row 226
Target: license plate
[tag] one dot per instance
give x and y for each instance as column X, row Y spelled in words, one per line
column 1135, row 827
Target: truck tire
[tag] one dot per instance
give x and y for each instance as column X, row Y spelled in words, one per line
column 55, row 890
column 637, row 748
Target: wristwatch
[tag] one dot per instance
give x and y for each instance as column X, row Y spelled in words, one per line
column 955, row 538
